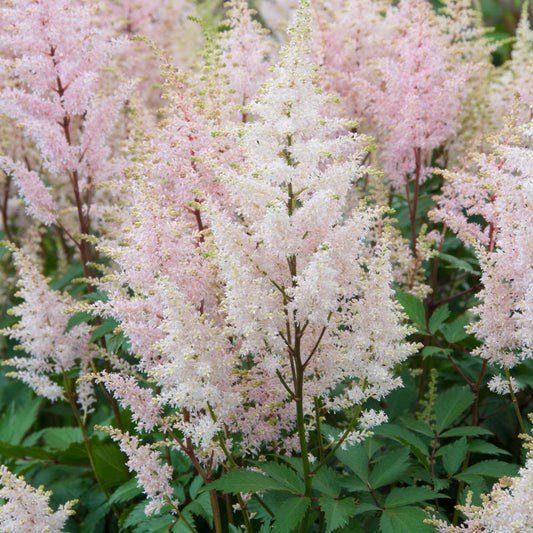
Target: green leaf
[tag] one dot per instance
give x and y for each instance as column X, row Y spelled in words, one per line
column 327, row 482
column 458, row 263
column 439, row 316
column 400, row 434
column 141, row 523
column 18, row 419
column 429, row 351
column 94, row 517
column 356, row 459
column 78, row 318
column 285, row 475
column 480, row 446
column 398, row 497
column 110, row 464
column 492, row 469
column 75, row 271
column 366, row 508
column 354, row 484
column 337, row 512
column 450, row 405
column 405, row 520
column 453, row 455
column 466, row 431
column 455, row 331
column 389, row 468
column 290, row 514
column 62, row 438
column 126, row 492
column 201, row 506
column 14, row 451
column 414, row 309
column 240, row 480
column 107, row 326
column 195, row 487
column 418, row 425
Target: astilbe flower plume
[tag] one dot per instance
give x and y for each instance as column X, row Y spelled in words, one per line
column 27, row 509
column 52, row 56
column 394, row 67
column 246, row 52
column 153, row 475
column 294, row 269
column 42, row 333
column 245, row 266
column 515, row 78
column 498, row 190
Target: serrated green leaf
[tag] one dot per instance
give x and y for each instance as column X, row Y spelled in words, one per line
column 404, row 520
column 240, row 480
column 450, row 405
column 337, row 512
column 455, row 331
column 466, row 431
column 201, row 506
column 399, row 497
column 327, row 482
column 403, row 435
column 414, row 308
column 353, row 484
column 75, row 271
column 290, row 514
column 61, row 438
column 16, row 451
column 453, row 455
column 458, row 263
column 94, row 517
column 429, row 351
column 18, row 419
column 126, row 492
column 107, row 326
column 366, row 508
column 141, row 523
column 110, row 464
column 356, row 459
column 389, row 468
column 480, row 446
column 439, row 316
column 195, row 487
column 417, row 425
column 285, row 475
column 491, row 468
column 78, row 318
column 97, row 296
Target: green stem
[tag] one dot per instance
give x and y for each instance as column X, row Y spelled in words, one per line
column 300, row 422
column 321, row 450
column 339, row 443
column 86, row 442
column 515, row 402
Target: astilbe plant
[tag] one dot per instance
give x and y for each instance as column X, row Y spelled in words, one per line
column 266, row 312
column 283, row 324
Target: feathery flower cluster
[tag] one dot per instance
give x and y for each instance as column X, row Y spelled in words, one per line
column 500, row 193
column 301, row 282
column 399, row 74
column 153, row 476
column 26, row 509
column 281, row 268
column 145, row 412
column 53, row 54
column 42, row 333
